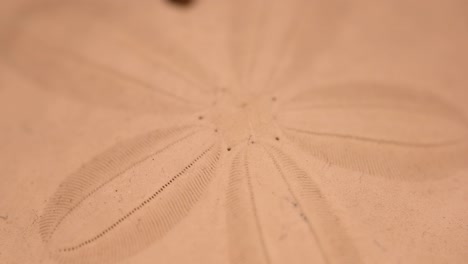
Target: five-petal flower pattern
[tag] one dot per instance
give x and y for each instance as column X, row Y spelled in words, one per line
column 250, row 109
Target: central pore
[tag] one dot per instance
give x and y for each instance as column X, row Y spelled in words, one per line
column 244, row 121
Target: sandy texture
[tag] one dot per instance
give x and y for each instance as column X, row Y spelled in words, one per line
column 233, row 131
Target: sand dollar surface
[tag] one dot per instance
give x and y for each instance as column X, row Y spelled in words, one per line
column 233, row 132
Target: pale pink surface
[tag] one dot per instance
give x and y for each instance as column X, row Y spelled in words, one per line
column 357, row 52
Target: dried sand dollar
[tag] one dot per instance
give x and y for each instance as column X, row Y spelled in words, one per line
column 244, row 123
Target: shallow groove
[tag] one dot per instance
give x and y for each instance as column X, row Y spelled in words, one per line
column 254, row 210
column 246, row 241
column 299, row 204
column 374, row 140
column 333, row 241
column 80, row 59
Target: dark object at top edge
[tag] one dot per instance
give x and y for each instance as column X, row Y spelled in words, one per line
column 181, row 3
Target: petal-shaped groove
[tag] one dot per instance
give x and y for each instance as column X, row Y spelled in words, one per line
column 245, row 234
column 277, row 213
column 247, row 20
column 378, row 129
column 80, row 52
column 313, row 27
column 115, row 205
column 203, row 58
column 331, row 237
column 275, row 40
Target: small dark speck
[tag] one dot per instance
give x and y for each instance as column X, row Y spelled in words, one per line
column 228, row 149
column 277, row 138
column 181, row 3
column 303, row 216
column 200, row 118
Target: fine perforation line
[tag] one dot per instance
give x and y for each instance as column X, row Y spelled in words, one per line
column 106, row 68
column 256, row 42
column 312, row 107
column 175, row 70
column 254, row 209
column 141, row 205
column 113, row 178
column 286, row 45
column 299, row 204
column 374, row 140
